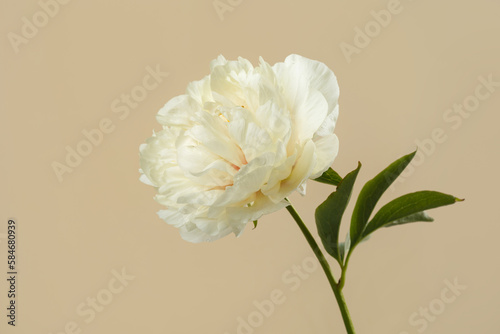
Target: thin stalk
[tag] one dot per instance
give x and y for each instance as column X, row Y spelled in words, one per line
column 344, row 270
column 337, row 291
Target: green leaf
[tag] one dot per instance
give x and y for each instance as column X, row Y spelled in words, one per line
column 370, row 195
column 421, row 216
column 329, row 215
column 408, row 208
column 330, row 177
column 255, row 222
column 344, row 247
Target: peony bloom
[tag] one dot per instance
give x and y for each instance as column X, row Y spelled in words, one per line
column 239, row 142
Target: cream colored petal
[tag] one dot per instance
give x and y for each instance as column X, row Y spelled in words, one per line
column 213, row 134
column 172, row 217
column 317, row 75
column 261, row 206
column 200, row 91
column 300, row 172
column 247, row 181
column 179, row 111
column 248, row 135
column 327, row 149
column 190, row 232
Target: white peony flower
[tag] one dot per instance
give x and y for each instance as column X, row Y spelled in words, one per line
column 240, row 141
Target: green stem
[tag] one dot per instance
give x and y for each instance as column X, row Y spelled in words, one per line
column 344, row 270
column 326, row 268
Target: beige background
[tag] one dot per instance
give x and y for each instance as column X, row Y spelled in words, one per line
column 100, row 218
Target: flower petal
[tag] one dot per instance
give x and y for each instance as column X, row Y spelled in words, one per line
column 327, row 148
column 239, row 142
column 300, row 172
column 179, row 111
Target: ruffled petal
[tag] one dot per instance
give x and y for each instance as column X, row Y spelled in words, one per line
column 239, row 142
